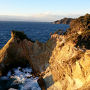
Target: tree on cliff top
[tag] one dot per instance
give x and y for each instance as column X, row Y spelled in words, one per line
column 79, row 31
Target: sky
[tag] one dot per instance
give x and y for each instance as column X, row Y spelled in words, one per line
column 42, row 10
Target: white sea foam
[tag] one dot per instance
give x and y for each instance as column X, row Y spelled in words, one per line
column 24, row 79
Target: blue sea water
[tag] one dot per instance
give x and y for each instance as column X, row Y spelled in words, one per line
column 34, row 30
column 20, row 79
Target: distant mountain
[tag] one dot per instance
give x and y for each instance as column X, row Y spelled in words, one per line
column 63, row 21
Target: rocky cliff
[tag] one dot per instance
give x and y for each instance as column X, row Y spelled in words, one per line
column 70, row 60
column 63, row 62
column 63, row 21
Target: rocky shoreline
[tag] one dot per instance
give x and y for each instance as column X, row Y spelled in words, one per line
column 62, row 63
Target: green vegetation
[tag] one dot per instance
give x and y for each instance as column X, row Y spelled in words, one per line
column 85, row 20
column 81, row 24
column 60, row 32
column 20, row 35
column 83, row 40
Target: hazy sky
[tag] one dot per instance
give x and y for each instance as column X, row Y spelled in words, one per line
column 42, row 10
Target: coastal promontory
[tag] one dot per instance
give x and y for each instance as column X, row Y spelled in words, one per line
column 63, row 21
column 62, row 63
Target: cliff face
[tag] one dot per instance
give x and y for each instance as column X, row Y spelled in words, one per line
column 20, row 51
column 70, row 60
column 63, row 61
column 70, row 66
column 15, row 52
column 63, row 21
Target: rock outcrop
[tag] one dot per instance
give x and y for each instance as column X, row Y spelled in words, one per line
column 20, row 51
column 63, row 62
column 63, row 21
column 15, row 52
column 70, row 60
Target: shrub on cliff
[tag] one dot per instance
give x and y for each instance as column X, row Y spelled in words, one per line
column 83, row 40
column 80, row 24
column 60, row 32
column 79, row 31
column 20, row 35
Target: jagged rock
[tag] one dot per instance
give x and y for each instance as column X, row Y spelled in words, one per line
column 15, row 52
column 20, row 51
column 69, row 64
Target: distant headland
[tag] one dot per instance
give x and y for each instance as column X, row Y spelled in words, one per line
column 63, row 21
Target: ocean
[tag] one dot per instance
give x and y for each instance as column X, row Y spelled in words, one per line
column 21, row 78
column 34, row 30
